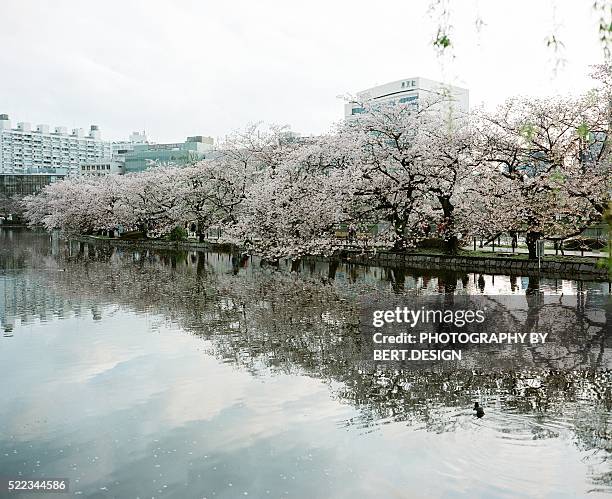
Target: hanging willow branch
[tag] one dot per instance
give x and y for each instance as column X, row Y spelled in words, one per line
column 442, row 42
column 604, row 11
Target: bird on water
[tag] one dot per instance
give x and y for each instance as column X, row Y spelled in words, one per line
column 479, row 410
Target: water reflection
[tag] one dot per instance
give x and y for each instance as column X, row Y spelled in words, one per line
column 121, row 399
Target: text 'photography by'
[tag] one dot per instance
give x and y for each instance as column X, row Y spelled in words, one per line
column 306, row 250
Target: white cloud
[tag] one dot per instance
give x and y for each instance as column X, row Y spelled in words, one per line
column 186, row 68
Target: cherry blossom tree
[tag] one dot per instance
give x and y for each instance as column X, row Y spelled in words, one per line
column 214, row 189
column 294, row 208
column 390, row 182
column 151, row 201
column 408, row 165
column 544, row 168
column 450, row 167
column 74, row 205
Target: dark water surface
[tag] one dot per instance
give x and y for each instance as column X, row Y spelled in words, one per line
column 188, row 375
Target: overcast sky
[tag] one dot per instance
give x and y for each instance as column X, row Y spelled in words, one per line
column 178, row 68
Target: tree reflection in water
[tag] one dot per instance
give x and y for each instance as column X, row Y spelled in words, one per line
column 265, row 318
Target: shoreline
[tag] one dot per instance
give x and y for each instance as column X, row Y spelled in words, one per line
column 562, row 267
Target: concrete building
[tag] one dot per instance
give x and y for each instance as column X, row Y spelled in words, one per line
column 143, row 156
column 115, row 165
column 24, row 150
column 108, row 166
column 411, row 91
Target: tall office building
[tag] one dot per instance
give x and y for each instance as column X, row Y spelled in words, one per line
column 24, row 150
column 412, row 91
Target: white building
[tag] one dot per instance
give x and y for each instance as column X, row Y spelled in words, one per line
column 412, row 91
column 104, row 167
column 24, row 150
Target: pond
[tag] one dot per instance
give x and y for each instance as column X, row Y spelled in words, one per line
column 180, row 374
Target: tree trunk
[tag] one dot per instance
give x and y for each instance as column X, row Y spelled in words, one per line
column 532, row 238
column 333, row 268
column 399, row 226
column 295, row 265
column 451, row 243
